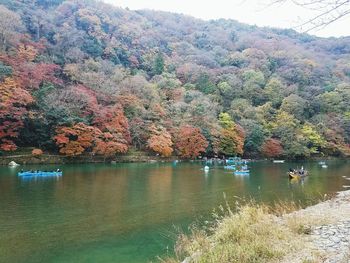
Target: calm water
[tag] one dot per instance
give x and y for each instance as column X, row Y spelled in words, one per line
column 127, row 212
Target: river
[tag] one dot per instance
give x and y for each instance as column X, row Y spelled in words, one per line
column 132, row 212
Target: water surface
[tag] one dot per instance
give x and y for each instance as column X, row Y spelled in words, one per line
column 129, row 212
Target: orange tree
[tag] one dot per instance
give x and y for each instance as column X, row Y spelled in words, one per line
column 74, row 140
column 190, row 142
column 160, row 141
column 272, row 148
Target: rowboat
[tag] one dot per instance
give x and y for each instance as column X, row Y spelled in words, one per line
column 242, row 172
column 39, row 173
column 297, row 175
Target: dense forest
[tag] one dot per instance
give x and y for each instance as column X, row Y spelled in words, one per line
column 84, row 77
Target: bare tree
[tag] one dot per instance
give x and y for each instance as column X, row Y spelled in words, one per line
column 326, row 12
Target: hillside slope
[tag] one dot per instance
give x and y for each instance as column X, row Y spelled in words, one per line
column 83, row 76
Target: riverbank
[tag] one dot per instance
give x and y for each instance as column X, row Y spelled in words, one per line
column 25, row 157
column 257, row 233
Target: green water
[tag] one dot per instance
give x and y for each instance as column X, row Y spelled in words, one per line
column 130, row 212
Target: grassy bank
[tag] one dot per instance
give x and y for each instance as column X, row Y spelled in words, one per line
column 254, row 233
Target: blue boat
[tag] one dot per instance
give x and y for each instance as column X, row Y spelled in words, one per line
column 39, row 173
column 230, row 167
column 242, row 172
column 233, row 160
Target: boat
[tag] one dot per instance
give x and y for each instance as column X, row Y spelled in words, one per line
column 230, row 167
column 324, row 166
column 278, row 161
column 322, row 163
column 297, row 174
column 40, row 173
column 206, row 168
column 242, row 172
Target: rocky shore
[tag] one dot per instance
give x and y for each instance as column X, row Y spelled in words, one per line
column 326, row 232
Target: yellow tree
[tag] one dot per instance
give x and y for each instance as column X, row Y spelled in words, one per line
column 231, row 136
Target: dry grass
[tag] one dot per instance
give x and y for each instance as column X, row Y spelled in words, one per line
column 253, row 233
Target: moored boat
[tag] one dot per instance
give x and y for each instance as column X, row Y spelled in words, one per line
column 40, row 173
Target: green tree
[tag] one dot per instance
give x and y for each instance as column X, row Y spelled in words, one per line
column 254, row 136
column 204, row 84
column 158, row 66
column 274, row 91
column 295, row 106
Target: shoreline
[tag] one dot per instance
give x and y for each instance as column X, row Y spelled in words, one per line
column 131, row 157
column 24, row 159
column 314, row 234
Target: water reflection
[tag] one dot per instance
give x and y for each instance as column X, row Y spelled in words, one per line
column 119, row 213
column 35, row 178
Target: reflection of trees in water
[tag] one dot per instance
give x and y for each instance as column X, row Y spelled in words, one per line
column 92, row 203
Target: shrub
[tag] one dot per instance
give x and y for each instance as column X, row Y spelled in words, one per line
column 37, row 152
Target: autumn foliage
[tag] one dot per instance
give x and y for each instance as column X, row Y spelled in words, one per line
column 73, row 141
column 231, row 136
column 190, row 142
column 272, row 148
column 37, row 152
column 83, row 77
column 111, row 136
column 13, row 102
column 160, row 141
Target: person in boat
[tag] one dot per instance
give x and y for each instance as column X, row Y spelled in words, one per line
column 302, row 171
column 58, row 170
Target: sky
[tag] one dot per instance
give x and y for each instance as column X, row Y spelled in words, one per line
column 253, row 12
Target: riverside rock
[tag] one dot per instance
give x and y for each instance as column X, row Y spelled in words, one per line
column 13, row 164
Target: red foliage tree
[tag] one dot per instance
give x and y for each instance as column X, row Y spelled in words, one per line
column 13, row 103
column 73, row 141
column 190, row 142
column 107, row 145
column 160, row 141
column 113, row 121
column 29, row 74
column 272, row 148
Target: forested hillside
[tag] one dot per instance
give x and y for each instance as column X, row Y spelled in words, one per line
column 85, row 77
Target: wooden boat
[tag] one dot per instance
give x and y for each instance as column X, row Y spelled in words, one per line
column 297, row 174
